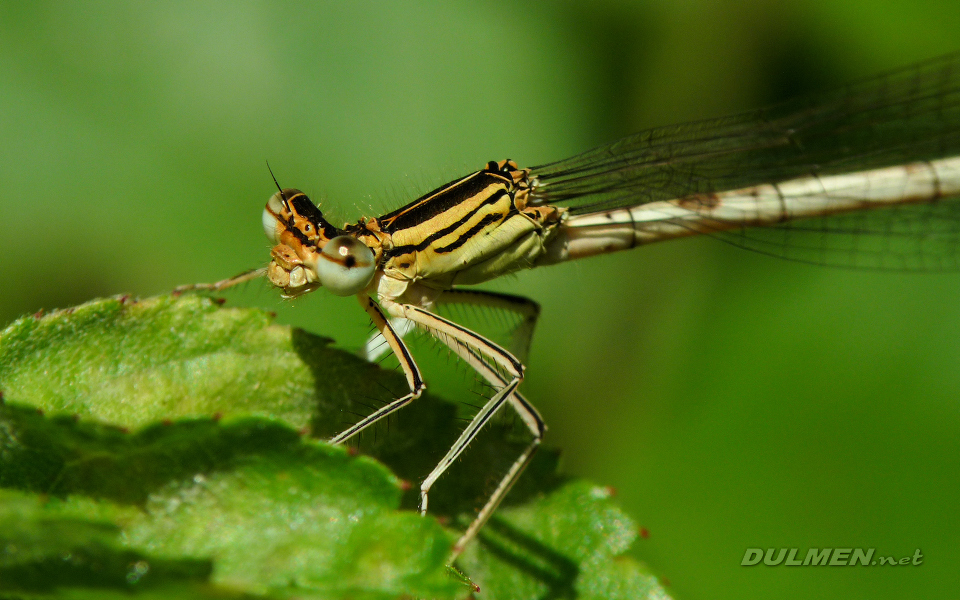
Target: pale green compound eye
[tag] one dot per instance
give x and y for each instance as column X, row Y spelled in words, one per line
column 270, row 223
column 345, row 266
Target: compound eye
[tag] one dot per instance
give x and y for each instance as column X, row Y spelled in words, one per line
column 271, row 225
column 345, row 266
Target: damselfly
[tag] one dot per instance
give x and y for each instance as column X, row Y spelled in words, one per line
column 866, row 176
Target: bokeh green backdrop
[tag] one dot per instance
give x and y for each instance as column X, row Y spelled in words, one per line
column 734, row 400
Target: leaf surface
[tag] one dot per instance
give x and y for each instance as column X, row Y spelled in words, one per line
column 167, row 447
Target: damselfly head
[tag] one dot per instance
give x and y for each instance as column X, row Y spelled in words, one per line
column 291, row 211
column 310, row 252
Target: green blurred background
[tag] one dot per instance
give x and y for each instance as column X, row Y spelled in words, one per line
column 734, row 400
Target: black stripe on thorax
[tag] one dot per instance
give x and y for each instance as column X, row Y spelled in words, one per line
column 427, row 241
column 439, row 201
column 463, row 239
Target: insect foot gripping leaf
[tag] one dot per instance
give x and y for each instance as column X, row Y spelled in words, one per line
column 157, row 447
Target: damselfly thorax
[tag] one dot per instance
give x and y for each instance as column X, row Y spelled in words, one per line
column 867, row 176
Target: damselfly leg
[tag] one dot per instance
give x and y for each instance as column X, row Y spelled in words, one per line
column 409, row 366
column 222, row 284
column 528, row 311
column 520, row 335
column 489, row 360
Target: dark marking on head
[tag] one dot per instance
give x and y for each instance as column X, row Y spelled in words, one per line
column 301, row 205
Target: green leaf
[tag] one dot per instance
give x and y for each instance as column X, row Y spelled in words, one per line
column 160, row 447
column 48, row 546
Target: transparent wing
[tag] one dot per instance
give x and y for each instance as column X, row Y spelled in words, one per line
column 904, row 116
column 924, row 237
column 908, row 115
